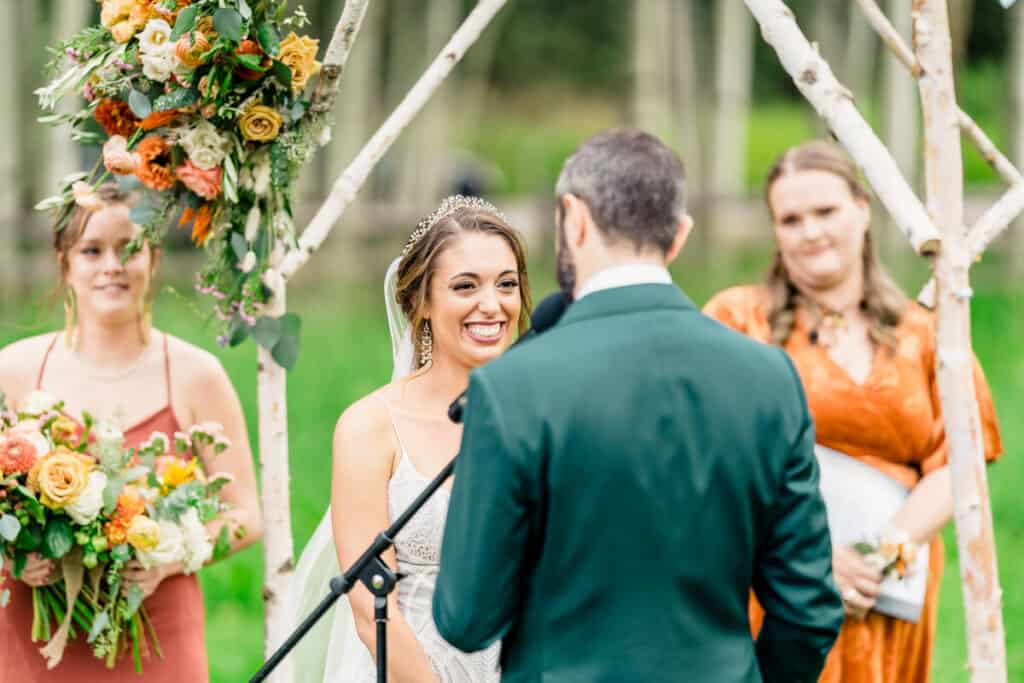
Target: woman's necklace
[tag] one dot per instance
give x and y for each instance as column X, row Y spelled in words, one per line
column 830, row 325
column 118, row 374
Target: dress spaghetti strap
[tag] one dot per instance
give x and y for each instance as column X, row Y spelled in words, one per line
column 46, row 357
column 394, row 425
column 167, row 372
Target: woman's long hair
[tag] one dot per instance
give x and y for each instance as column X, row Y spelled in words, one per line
column 883, row 301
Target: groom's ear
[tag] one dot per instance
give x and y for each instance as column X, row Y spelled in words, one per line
column 577, row 219
column 683, row 230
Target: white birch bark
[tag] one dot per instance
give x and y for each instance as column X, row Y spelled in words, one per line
column 64, row 156
column 652, row 67
column 834, row 103
column 861, row 55
column 349, row 183
column 901, row 111
column 954, row 361
column 689, row 115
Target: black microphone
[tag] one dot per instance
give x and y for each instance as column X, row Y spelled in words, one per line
column 547, row 313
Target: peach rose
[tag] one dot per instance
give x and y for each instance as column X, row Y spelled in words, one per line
column 60, row 477
column 190, row 49
column 117, row 158
column 85, row 196
column 204, row 182
column 260, row 123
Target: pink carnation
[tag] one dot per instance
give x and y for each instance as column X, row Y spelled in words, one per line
column 86, row 197
column 17, row 454
column 204, row 182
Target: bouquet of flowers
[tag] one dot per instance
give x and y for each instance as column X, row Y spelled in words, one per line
column 201, row 102
column 73, row 493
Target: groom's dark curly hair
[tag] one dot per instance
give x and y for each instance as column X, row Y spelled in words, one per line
column 633, row 185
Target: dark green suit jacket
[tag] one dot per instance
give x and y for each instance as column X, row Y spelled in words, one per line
column 624, row 480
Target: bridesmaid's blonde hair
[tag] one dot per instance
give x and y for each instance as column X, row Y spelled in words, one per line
column 883, row 302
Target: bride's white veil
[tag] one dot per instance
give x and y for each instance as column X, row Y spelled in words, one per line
column 332, row 648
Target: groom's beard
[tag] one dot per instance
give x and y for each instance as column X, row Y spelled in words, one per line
column 565, row 269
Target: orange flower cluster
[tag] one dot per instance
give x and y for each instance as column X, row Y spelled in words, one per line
column 158, row 119
column 155, row 168
column 201, row 219
column 129, row 506
column 116, row 117
column 17, row 455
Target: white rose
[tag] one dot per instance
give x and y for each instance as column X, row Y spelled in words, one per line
column 39, row 402
column 171, row 547
column 204, row 145
column 252, row 224
column 156, row 38
column 157, row 67
column 248, row 263
column 198, row 548
column 107, row 433
column 85, row 508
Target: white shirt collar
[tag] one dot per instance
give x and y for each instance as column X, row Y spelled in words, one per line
column 624, row 276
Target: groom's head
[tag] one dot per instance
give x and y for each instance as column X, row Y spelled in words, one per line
column 621, row 199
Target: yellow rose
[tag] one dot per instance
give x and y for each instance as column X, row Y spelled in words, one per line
column 143, row 533
column 123, row 19
column 299, row 54
column 60, row 477
column 176, row 472
column 260, row 123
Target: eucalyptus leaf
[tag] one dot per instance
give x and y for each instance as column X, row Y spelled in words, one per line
column 228, row 23
column 142, row 213
column 121, row 552
column 9, row 527
column 239, row 245
column 251, row 62
column 185, row 22
column 30, row 538
column 140, row 104
column 59, row 538
column 286, row 351
column 222, row 547
column 111, row 492
column 176, row 99
column 238, row 332
column 268, row 38
column 267, row 332
column 133, row 600
column 99, row 624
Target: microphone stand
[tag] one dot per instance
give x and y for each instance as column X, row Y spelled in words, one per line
column 371, row 571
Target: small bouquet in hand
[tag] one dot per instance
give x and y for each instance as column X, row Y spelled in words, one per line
column 73, row 493
column 891, row 553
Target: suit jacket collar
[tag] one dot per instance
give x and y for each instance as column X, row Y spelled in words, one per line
column 629, row 299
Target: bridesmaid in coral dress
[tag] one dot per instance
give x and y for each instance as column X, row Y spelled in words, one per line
column 109, row 363
column 866, row 355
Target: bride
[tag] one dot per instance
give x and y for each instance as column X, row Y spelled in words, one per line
column 456, row 298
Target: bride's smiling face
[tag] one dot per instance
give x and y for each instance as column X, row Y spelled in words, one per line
column 474, row 299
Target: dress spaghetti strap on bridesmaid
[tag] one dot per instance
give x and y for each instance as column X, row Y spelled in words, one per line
column 176, row 608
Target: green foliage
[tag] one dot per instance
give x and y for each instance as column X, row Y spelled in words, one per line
column 58, row 539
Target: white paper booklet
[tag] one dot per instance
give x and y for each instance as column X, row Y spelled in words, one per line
column 860, row 501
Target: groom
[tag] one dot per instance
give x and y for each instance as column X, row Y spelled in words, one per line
column 626, row 478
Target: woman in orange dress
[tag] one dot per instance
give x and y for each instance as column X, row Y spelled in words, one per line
column 866, row 355
column 110, row 363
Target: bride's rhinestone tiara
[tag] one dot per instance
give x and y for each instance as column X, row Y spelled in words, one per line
column 449, row 205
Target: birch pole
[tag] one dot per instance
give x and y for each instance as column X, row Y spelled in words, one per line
column 986, row 647
column 271, row 387
column 834, row 104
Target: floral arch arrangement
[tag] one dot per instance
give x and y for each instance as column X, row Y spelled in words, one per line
column 201, row 105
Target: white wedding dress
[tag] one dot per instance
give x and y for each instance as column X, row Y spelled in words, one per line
column 333, row 652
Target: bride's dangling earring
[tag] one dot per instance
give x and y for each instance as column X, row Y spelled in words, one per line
column 426, row 345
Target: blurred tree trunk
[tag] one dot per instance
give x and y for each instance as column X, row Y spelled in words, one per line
column 727, row 161
column 11, row 173
column 688, row 112
column 30, row 43
column 65, row 156
column 961, row 13
column 416, row 164
column 900, row 115
column 1015, row 125
column 652, row 68
column 860, row 61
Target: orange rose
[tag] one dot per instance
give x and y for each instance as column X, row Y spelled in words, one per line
column 190, row 49
column 251, row 47
column 60, row 477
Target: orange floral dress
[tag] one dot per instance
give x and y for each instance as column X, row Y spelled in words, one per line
column 892, row 422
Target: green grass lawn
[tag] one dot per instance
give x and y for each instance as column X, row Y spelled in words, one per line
column 346, row 353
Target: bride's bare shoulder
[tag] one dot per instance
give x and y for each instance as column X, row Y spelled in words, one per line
column 364, row 430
